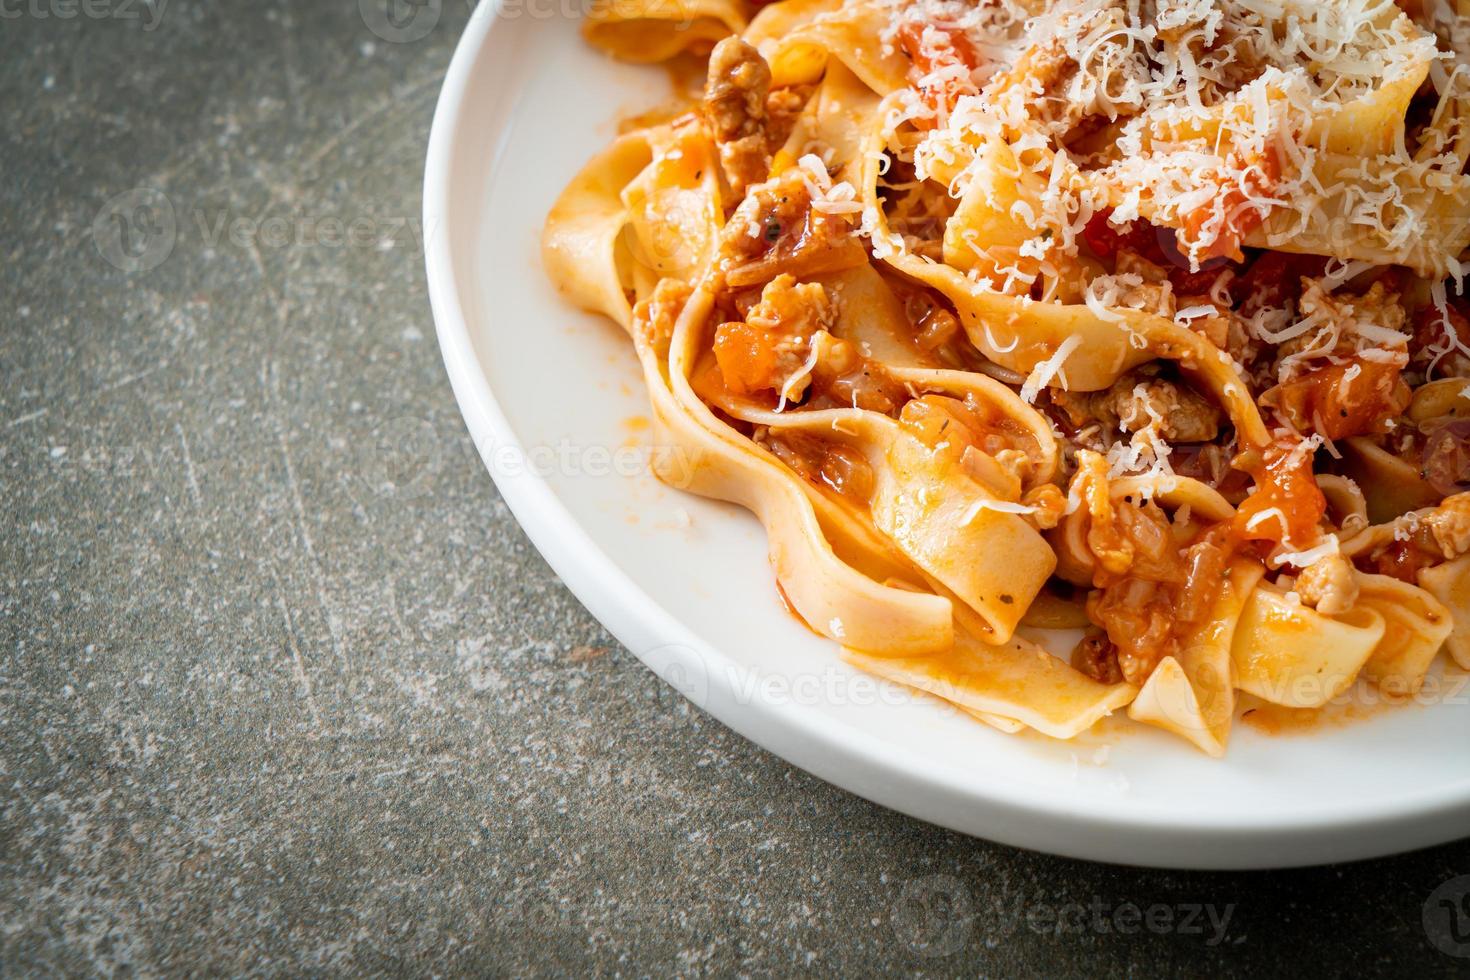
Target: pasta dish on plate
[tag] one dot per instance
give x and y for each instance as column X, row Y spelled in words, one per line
column 1138, row 318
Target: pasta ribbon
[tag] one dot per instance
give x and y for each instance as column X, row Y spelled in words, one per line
column 657, row 30
column 1142, row 319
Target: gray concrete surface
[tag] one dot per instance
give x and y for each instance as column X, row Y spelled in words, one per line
column 284, row 689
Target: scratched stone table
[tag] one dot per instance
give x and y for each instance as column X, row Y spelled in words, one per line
column 283, row 686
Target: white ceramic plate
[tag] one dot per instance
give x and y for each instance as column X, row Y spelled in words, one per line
column 548, row 394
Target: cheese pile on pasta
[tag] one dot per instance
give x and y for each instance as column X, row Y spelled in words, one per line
column 1142, row 317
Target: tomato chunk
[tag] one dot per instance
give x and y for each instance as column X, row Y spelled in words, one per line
column 1286, row 506
column 1342, row 400
column 1107, row 241
column 1154, row 243
column 1240, row 216
column 932, row 49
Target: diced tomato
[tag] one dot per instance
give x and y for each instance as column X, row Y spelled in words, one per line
column 1284, row 483
column 954, row 50
column 1240, row 217
column 1352, row 406
column 1342, row 400
column 746, row 356
column 1155, row 244
column 1106, row 241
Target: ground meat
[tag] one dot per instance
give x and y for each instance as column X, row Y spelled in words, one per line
column 1449, row 524
column 1209, row 463
column 1216, row 328
column 1096, row 657
column 748, row 120
column 1336, row 315
column 836, row 467
column 843, row 378
column 775, row 230
column 1341, row 378
column 989, row 448
column 1150, row 594
column 1273, row 280
column 735, row 109
column 1444, row 456
column 1141, row 399
column 1155, row 293
column 783, row 107
column 1403, row 560
column 1049, row 506
column 1056, row 91
column 1123, row 538
column 1149, row 613
column 654, row 317
column 1139, row 621
column 1328, row 585
column 1106, row 543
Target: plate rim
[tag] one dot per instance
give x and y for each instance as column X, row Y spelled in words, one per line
column 1110, row 829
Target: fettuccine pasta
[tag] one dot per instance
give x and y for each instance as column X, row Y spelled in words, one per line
column 1139, row 317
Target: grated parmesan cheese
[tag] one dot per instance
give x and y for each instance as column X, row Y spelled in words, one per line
column 1000, row 506
column 1308, row 557
column 1045, row 371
